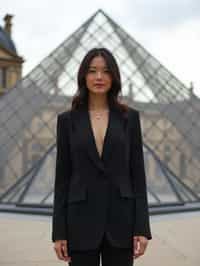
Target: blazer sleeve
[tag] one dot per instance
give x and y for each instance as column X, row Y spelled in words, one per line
column 141, row 213
column 61, row 185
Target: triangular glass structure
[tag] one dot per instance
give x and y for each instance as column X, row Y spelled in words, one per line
column 170, row 118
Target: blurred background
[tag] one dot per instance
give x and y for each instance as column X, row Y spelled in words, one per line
column 156, row 46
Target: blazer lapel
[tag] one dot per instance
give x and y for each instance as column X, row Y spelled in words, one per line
column 115, row 131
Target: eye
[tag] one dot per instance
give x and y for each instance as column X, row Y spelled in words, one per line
column 106, row 70
column 91, row 71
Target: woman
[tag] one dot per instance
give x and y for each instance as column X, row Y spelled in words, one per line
column 100, row 196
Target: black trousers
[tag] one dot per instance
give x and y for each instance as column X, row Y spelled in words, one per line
column 110, row 256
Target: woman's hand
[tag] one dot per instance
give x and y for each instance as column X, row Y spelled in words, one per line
column 140, row 244
column 60, row 248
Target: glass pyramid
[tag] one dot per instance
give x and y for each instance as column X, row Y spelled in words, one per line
column 169, row 112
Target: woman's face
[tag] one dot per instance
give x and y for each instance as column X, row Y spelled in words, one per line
column 98, row 77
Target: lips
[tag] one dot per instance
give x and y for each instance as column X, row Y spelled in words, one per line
column 98, row 84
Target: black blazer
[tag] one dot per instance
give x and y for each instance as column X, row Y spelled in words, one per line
column 94, row 194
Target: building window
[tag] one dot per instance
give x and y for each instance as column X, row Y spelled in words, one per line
column 183, row 166
column 3, row 77
column 167, row 153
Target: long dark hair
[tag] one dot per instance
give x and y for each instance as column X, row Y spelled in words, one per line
column 81, row 97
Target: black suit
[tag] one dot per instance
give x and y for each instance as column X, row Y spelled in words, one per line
column 95, row 195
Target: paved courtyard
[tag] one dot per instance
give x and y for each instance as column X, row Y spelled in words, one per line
column 25, row 240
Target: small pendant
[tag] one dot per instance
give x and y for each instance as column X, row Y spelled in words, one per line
column 98, row 117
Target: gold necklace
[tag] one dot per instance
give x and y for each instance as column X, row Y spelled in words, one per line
column 98, row 114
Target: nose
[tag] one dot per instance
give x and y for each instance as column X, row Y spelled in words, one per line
column 99, row 74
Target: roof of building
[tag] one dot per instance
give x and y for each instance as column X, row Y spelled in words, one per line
column 6, row 41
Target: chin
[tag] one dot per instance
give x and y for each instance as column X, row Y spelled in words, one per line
column 99, row 91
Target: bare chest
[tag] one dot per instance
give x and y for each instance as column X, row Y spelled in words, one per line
column 99, row 128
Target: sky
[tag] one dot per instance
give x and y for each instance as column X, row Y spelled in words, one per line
column 169, row 30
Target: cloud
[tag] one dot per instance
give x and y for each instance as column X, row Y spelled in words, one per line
column 162, row 14
column 178, row 50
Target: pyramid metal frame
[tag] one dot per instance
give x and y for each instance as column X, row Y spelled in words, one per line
column 169, row 109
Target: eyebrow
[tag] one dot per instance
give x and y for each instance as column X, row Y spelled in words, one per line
column 95, row 67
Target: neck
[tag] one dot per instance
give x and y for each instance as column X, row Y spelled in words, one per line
column 97, row 103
